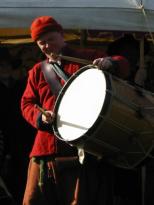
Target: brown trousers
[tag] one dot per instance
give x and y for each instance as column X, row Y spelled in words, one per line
column 93, row 178
column 62, row 193
column 33, row 194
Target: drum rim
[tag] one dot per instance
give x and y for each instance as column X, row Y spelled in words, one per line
column 103, row 111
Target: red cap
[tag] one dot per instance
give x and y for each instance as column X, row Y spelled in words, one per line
column 44, row 24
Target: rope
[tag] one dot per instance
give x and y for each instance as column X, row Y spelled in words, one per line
column 141, row 7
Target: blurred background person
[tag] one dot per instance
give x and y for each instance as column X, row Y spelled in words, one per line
column 13, row 125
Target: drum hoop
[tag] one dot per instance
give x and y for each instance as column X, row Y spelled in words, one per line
column 61, row 94
column 103, row 111
column 106, row 106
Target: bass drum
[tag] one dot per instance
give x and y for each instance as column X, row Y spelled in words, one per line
column 106, row 117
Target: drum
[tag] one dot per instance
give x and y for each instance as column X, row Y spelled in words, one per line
column 106, row 116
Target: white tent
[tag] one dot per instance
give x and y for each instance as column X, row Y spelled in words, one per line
column 123, row 15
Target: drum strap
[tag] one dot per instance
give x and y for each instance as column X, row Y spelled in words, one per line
column 58, row 70
column 50, row 71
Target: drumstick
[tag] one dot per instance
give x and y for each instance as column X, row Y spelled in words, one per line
column 73, row 59
column 76, row 60
column 41, row 110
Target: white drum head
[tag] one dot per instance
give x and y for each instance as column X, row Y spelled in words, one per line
column 81, row 104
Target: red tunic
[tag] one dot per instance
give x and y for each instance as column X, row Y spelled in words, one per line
column 39, row 92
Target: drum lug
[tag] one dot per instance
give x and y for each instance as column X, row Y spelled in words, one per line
column 81, row 154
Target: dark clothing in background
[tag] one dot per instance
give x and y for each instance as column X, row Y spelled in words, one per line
column 16, row 143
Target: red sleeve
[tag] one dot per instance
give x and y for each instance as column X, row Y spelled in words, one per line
column 30, row 98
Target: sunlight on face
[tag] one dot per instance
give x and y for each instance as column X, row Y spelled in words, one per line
column 51, row 42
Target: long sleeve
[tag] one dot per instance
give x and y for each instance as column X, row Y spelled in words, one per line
column 29, row 99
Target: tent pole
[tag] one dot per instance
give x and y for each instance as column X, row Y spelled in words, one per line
column 83, row 38
column 143, row 168
column 142, row 53
column 141, row 74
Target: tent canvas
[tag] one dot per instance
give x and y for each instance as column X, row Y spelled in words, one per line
column 123, row 15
